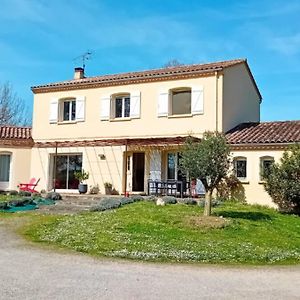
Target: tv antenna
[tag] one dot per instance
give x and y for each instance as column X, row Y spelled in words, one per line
column 83, row 58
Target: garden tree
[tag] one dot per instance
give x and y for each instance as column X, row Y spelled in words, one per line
column 283, row 181
column 13, row 110
column 208, row 160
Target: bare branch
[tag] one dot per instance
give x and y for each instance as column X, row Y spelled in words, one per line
column 13, row 110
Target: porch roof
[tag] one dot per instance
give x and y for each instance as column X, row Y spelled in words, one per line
column 157, row 141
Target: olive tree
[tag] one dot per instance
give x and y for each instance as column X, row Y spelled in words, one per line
column 13, row 110
column 283, row 181
column 207, row 160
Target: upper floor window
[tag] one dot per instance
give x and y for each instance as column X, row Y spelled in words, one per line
column 180, row 101
column 266, row 163
column 240, row 167
column 68, row 110
column 121, row 106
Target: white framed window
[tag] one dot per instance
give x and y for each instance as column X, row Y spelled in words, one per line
column 180, row 101
column 67, row 109
column 266, row 163
column 64, row 167
column 121, row 106
column 240, row 167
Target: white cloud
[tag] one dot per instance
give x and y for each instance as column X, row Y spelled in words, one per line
column 20, row 10
column 286, row 45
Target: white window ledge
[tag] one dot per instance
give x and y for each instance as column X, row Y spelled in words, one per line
column 244, row 181
column 66, row 122
column 120, row 119
column 180, row 116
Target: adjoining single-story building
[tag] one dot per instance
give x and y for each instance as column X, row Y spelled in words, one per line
column 128, row 129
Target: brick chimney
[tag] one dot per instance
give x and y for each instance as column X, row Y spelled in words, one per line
column 78, row 73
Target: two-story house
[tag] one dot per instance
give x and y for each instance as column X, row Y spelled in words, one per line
column 129, row 128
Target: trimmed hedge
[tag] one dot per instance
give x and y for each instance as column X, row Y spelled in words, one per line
column 169, row 200
column 107, row 203
column 188, row 201
column 53, row 196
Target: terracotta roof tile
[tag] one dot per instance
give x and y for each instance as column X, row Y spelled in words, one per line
column 141, row 75
column 15, row 133
column 265, row 133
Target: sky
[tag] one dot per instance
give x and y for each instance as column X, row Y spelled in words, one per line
column 39, row 40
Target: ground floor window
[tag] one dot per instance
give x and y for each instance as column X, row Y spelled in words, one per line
column 64, row 167
column 173, row 169
column 4, row 167
column 266, row 163
column 240, row 167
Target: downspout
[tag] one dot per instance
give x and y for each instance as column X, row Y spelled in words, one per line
column 125, row 190
column 217, row 100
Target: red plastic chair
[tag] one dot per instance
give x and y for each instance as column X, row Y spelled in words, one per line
column 29, row 187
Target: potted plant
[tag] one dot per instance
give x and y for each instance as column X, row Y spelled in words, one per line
column 82, row 176
column 108, row 188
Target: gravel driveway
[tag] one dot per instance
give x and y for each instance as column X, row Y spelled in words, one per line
column 28, row 272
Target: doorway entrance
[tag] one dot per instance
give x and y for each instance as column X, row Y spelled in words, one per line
column 138, row 171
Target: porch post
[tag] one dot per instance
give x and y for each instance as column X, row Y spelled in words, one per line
column 125, row 190
column 55, row 166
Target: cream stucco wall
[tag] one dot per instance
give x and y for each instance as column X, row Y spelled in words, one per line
column 254, row 189
column 108, row 170
column 19, row 166
column 241, row 102
column 148, row 125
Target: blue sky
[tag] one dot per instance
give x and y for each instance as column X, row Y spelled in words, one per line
column 40, row 38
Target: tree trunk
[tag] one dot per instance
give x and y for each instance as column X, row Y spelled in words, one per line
column 207, row 207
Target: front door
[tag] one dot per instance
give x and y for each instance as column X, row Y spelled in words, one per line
column 138, row 172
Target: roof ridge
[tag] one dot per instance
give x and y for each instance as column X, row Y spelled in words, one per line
column 237, row 60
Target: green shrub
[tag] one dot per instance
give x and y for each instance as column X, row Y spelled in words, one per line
column 13, row 192
column 21, row 202
column 282, row 182
column 107, row 203
column 3, row 205
column 137, row 198
column 189, row 201
column 126, row 200
column 150, row 198
column 169, row 200
column 53, row 196
column 24, row 194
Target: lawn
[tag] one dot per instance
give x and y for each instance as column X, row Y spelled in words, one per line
column 176, row 233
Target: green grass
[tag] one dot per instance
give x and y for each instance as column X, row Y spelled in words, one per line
column 144, row 231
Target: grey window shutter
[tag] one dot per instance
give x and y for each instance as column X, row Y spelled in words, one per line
column 197, row 100
column 80, row 108
column 135, row 104
column 105, row 107
column 163, row 103
column 53, row 114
